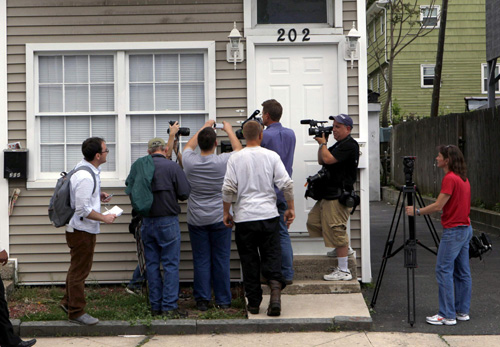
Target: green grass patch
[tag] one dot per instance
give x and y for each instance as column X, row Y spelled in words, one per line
column 110, row 302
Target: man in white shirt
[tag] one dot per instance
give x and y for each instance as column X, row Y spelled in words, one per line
column 7, row 335
column 249, row 183
column 83, row 227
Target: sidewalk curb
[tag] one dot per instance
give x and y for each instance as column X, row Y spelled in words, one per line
column 192, row 327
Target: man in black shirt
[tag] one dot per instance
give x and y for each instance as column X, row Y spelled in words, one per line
column 328, row 218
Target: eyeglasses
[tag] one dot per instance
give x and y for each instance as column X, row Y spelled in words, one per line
column 106, row 151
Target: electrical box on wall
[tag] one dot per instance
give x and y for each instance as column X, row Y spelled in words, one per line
column 15, row 163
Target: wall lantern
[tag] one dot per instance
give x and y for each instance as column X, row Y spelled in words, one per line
column 234, row 49
column 352, row 45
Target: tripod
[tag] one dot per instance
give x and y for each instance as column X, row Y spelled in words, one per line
column 409, row 192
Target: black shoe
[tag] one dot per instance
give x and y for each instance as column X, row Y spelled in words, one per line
column 155, row 313
column 288, row 282
column 64, row 308
column 224, row 306
column 202, row 305
column 253, row 309
column 274, row 309
column 27, row 343
column 175, row 314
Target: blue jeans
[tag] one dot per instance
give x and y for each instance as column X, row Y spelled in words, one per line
column 161, row 237
column 137, row 279
column 453, row 271
column 286, row 244
column 211, row 245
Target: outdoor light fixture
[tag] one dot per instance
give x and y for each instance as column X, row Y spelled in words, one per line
column 352, row 45
column 234, row 49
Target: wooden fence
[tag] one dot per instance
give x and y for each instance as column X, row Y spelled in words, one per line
column 477, row 134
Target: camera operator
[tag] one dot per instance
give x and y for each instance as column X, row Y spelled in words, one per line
column 328, row 218
column 210, row 238
column 282, row 141
column 452, row 265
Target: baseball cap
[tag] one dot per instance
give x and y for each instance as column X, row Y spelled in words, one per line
column 155, row 142
column 343, row 119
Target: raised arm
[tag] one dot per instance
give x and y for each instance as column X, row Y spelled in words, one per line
column 235, row 143
column 170, row 143
column 193, row 141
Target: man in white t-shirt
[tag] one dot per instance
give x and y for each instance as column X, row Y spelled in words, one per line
column 249, row 183
column 210, row 238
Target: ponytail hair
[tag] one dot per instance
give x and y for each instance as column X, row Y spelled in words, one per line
column 456, row 160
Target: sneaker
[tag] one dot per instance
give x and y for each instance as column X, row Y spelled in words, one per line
column 133, row 291
column 462, row 316
column 175, row 314
column 333, row 253
column 223, row 306
column 202, row 305
column 338, row 275
column 438, row 320
column 85, row 319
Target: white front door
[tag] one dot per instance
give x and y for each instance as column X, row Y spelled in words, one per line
column 304, row 80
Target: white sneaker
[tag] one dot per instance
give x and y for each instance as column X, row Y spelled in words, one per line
column 463, row 316
column 85, row 319
column 338, row 275
column 333, row 253
column 438, row 320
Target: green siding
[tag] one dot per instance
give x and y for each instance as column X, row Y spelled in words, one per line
column 465, row 46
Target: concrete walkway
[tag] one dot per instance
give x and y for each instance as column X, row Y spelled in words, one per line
column 323, row 339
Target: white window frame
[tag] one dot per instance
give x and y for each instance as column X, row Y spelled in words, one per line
column 382, row 25
column 484, row 76
column 422, row 75
column 37, row 179
column 375, row 30
column 334, row 23
column 385, row 79
column 438, row 16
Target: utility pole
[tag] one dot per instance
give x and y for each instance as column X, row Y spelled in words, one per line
column 439, row 61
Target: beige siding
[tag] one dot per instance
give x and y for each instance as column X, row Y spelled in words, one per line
column 41, row 249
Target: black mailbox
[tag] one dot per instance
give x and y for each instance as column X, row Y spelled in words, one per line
column 15, row 163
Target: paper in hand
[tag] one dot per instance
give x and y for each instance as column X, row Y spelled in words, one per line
column 115, row 210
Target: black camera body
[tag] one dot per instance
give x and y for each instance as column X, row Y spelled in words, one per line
column 316, row 127
column 408, row 166
column 253, row 116
column 182, row 131
column 479, row 245
column 314, row 190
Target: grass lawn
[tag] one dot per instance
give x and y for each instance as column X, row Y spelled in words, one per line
column 110, row 302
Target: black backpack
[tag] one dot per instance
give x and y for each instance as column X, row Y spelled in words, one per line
column 60, row 211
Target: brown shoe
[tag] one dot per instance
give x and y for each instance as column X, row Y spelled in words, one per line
column 274, row 308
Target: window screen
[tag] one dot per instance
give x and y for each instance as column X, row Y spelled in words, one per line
column 291, row 11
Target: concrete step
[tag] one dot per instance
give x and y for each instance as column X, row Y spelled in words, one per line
column 313, row 267
column 318, row 287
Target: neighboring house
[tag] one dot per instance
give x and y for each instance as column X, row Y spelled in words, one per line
column 121, row 70
column 464, row 73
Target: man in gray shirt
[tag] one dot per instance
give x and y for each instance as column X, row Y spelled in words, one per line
column 210, row 238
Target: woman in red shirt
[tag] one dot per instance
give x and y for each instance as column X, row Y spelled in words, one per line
column 452, row 266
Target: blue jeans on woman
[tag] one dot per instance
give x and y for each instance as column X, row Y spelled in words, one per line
column 453, row 271
column 161, row 237
column 211, row 245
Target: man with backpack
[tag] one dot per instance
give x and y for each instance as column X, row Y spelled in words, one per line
column 84, row 225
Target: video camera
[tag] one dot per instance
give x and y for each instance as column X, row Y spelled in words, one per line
column 408, row 166
column 182, row 131
column 316, row 127
column 253, row 116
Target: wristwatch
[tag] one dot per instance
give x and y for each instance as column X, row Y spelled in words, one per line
column 418, row 212
column 322, row 144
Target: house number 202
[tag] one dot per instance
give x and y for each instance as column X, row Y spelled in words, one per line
column 292, row 35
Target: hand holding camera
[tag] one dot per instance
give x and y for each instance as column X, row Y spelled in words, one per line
column 176, row 130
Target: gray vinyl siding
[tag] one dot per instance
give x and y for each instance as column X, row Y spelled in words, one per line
column 41, row 249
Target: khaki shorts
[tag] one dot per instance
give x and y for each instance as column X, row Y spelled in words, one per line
column 328, row 219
